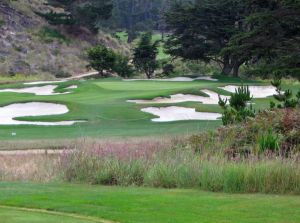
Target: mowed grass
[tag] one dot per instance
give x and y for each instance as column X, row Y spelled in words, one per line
column 102, row 103
column 133, row 205
column 16, row 215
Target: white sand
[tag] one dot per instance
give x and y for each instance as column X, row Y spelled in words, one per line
column 9, row 112
column 43, row 90
column 179, row 98
column 178, row 79
column 72, row 87
column 256, row 91
column 174, row 113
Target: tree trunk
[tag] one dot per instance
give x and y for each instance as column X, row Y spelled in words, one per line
column 227, row 67
column 131, row 36
column 236, row 67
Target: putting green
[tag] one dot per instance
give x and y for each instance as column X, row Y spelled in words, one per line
column 102, row 103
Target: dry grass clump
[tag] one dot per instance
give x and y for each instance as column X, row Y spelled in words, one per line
column 40, row 168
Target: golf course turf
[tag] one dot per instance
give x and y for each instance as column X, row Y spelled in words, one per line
column 102, row 103
column 146, row 205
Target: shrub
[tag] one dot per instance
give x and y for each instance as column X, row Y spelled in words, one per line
column 286, row 98
column 168, row 69
column 49, row 35
column 269, row 142
column 123, row 67
column 101, row 59
column 62, row 74
column 237, row 111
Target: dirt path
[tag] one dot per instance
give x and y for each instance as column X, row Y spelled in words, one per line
column 79, row 76
column 33, row 152
column 43, row 211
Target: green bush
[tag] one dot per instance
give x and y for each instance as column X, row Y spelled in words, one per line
column 101, row 59
column 269, row 142
column 285, row 98
column 49, row 35
column 123, row 67
column 238, row 109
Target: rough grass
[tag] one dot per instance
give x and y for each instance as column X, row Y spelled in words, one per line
column 150, row 205
column 18, row 78
column 181, row 168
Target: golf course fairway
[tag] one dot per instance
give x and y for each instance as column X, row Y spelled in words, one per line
column 133, row 205
column 102, row 107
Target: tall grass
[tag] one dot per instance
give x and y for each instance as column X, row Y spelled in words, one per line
column 182, row 168
column 227, row 160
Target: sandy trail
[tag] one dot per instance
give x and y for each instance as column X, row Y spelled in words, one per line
column 76, row 77
column 33, row 152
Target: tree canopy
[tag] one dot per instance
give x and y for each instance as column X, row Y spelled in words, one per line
column 234, row 32
column 144, row 56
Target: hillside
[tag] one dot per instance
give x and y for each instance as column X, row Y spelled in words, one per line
column 28, row 45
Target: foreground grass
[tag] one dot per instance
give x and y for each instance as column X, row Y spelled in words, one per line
column 21, row 215
column 146, row 205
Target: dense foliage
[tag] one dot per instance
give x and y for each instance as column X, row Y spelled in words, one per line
column 263, row 34
column 144, row 56
column 106, row 61
column 101, row 59
column 271, row 37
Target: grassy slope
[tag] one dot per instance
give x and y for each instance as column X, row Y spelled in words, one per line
column 150, row 205
column 103, row 104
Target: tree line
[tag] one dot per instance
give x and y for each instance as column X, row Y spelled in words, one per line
column 263, row 35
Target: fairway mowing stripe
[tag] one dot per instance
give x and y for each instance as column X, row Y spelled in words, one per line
column 43, row 211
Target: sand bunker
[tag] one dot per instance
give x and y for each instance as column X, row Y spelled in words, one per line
column 44, row 90
column 9, row 112
column 72, row 87
column 174, row 113
column 213, row 99
column 256, row 91
column 179, row 79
